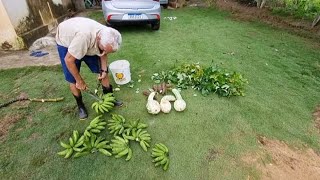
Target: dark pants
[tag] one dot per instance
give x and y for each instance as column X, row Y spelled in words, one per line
column 93, row 62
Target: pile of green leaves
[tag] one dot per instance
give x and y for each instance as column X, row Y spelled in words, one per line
column 207, row 80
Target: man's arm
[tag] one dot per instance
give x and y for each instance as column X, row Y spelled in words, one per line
column 103, row 66
column 71, row 65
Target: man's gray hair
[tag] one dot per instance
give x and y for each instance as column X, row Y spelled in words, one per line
column 110, row 36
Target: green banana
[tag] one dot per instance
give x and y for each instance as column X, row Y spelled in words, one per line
column 156, row 154
column 129, row 156
column 95, row 131
column 93, row 144
column 157, row 164
column 160, row 158
column 166, row 166
column 147, row 144
column 105, row 105
column 141, row 125
column 164, row 147
column 65, row 145
column 79, row 154
column 128, row 137
column 71, row 142
column 116, row 125
column 105, row 152
column 160, row 153
column 69, row 153
column 75, row 136
column 95, row 126
column 120, row 147
column 97, row 141
column 102, row 123
column 124, row 152
column 63, row 153
column 143, row 145
column 100, row 127
column 77, row 149
column 120, row 139
column 160, row 147
column 87, row 133
column 118, row 150
column 164, row 160
column 101, row 144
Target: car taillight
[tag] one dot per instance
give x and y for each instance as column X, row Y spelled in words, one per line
column 108, row 18
column 158, row 16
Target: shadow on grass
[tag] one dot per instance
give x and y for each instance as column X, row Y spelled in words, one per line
column 134, row 28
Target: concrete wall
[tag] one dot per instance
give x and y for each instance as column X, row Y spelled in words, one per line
column 32, row 19
column 8, row 35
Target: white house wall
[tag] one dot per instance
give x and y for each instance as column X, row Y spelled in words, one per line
column 8, row 36
column 30, row 19
column 17, row 10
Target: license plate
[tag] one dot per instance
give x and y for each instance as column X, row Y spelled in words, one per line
column 135, row 16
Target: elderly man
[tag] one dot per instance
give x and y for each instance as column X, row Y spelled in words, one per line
column 85, row 40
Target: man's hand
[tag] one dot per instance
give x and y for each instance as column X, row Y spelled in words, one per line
column 102, row 75
column 81, row 85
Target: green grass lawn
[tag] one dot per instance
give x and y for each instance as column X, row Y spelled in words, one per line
column 207, row 140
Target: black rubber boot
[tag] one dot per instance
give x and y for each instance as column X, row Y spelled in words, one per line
column 82, row 109
column 109, row 89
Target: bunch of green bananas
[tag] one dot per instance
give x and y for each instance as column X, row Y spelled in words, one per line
column 133, row 126
column 116, row 124
column 74, row 145
column 95, row 126
column 120, row 147
column 160, row 153
column 93, row 144
column 105, row 104
column 142, row 136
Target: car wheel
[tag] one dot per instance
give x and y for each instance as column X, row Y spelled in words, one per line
column 165, row 6
column 155, row 26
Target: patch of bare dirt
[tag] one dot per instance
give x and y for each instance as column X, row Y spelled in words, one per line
column 33, row 136
column 249, row 13
column 316, row 116
column 284, row 162
column 10, row 119
column 6, row 123
column 213, row 154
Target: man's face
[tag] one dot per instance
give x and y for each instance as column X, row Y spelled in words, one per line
column 106, row 49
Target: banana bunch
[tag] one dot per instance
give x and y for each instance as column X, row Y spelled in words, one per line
column 95, row 126
column 160, row 153
column 116, row 124
column 120, row 147
column 94, row 144
column 143, row 137
column 105, row 104
column 74, row 145
column 133, row 126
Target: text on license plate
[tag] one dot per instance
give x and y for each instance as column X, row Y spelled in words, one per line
column 135, row 16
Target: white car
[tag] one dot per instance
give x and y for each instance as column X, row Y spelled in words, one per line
column 132, row 11
column 164, row 3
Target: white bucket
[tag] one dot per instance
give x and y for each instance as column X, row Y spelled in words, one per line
column 120, row 70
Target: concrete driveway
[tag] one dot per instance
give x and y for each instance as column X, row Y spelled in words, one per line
column 18, row 59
